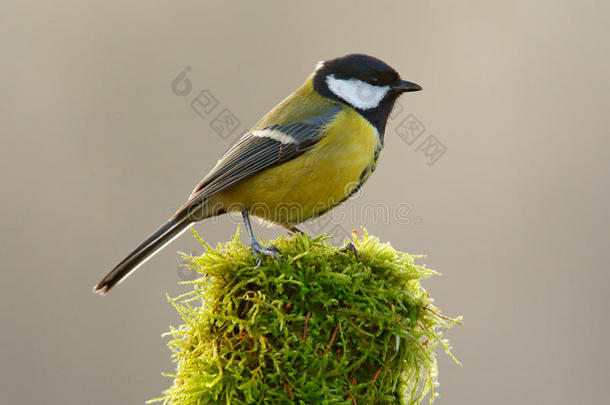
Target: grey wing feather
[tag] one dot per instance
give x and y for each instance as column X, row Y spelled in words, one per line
column 253, row 154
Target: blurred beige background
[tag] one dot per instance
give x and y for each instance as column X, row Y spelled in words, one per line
column 97, row 150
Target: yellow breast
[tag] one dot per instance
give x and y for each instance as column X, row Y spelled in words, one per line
column 314, row 182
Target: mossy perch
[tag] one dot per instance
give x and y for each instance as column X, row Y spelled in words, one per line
column 321, row 327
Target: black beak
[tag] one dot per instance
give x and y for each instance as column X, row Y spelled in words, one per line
column 404, row 86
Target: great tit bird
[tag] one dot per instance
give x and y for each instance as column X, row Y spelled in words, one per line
column 307, row 155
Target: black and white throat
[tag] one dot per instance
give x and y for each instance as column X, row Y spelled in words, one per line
column 373, row 102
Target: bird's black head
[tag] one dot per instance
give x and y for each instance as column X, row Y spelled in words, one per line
column 367, row 84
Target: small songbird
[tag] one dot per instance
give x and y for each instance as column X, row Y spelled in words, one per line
column 307, row 155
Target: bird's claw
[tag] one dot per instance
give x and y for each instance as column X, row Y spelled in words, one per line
column 271, row 251
column 349, row 246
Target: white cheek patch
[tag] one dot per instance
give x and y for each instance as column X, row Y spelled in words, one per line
column 275, row 135
column 356, row 92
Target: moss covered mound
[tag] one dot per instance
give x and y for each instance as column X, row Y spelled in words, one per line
column 321, row 327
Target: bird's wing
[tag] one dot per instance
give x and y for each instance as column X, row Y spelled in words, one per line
column 261, row 149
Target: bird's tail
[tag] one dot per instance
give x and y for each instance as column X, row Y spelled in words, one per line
column 155, row 242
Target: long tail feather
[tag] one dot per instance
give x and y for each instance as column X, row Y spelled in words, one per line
column 155, row 242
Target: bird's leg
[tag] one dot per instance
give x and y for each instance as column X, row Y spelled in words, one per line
column 349, row 247
column 256, row 246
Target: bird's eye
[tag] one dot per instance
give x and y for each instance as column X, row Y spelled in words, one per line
column 373, row 80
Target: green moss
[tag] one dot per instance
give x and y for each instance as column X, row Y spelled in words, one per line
column 322, row 327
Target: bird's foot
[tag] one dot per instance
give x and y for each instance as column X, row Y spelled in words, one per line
column 349, row 247
column 271, row 251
